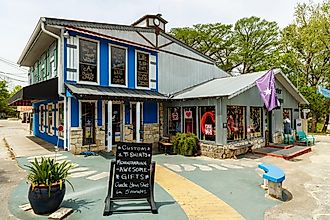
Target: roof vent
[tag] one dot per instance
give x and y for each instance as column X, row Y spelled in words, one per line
column 154, row 21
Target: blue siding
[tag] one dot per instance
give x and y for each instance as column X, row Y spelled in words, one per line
column 127, row 113
column 44, row 135
column 131, row 67
column 99, row 113
column 104, row 63
column 150, row 112
column 74, row 112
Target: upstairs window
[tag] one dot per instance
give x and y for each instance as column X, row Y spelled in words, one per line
column 88, row 61
column 118, row 66
column 142, row 69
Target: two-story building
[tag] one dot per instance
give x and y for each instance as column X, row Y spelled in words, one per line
column 94, row 84
column 84, row 73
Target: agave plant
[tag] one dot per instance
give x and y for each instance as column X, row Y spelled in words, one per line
column 47, row 171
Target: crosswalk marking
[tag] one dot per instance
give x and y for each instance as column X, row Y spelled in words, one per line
column 203, row 167
column 46, row 155
column 82, row 174
column 173, row 167
column 78, row 169
column 98, row 176
column 231, row 166
column 218, row 167
column 188, row 167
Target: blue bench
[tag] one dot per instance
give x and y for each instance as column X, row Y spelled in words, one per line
column 274, row 176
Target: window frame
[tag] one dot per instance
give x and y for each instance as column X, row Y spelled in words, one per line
column 261, row 122
column 97, row 62
column 58, row 118
column 50, row 128
column 42, row 119
column 126, row 65
column 135, row 69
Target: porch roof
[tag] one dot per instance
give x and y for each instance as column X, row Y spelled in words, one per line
column 82, row 91
column 39, row 91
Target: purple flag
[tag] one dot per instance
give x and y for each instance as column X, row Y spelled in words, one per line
column 266, row 86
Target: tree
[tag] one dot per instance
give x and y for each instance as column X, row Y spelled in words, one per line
column 4, row 95
column 305, row 55
column 256, row 41
column 15, row 90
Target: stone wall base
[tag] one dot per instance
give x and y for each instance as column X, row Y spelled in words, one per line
column 230, row 150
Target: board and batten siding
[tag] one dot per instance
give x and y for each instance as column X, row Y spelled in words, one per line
column 177, row 73
column 72, row 59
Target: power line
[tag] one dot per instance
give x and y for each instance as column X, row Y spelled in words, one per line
column 12, row 74
column 12, row 78
column 12, row 64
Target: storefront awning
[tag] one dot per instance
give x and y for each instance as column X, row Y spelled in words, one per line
column 39, row 91
column 111, row 93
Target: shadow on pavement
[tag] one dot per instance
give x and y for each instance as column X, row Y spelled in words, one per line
column 77, row 204
column 286, row 195
column 42, row 143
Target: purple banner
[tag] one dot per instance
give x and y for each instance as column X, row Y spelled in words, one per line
column 266, row 86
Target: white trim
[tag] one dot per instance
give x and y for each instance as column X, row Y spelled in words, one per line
column 80, row 112
column 126, row 66
column 135, row 69
column 58, row 119
column 109, row 131
column 43, row 122
column 130, row 112
column 67, row 123
column 51, row 133
column 97, row 63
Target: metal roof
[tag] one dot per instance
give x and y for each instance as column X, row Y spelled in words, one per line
column 95, row 92
column 235, row 85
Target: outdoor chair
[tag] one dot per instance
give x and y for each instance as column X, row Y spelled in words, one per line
column 302, row 137
column 289, row 139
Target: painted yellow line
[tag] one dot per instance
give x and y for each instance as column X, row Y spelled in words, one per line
column 196, row 202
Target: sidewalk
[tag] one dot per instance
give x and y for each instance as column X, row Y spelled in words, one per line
column 202, row 188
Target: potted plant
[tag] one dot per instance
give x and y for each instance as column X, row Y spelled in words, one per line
column 47, row 178
column 185, row 144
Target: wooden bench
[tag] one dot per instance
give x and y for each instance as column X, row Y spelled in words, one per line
column 273, row 178
column 165, row 145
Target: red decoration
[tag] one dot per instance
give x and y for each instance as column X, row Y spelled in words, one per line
column 203, row 119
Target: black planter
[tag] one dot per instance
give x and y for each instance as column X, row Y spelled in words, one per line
column 44, row 203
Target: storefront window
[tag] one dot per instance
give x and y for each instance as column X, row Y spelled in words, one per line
column 50, row 118
column 174, row 120
column 255, row 127
column 236, row 129
column 142, row 69
column 189, row 123
column 61, row 118
column 42, row 118
column 207, row 123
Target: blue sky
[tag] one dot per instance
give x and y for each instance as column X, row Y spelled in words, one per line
column 19, row 17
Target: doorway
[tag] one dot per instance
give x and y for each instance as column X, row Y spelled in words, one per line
column 88, row 122
column 116, row 123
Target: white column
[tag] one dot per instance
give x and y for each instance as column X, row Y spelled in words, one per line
column 138, row 120
column 68, row 122
column 109, row 147
column 123, row 123
column 65, row 126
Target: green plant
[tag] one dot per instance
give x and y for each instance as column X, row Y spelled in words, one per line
column 47, row 172
column 185, row 143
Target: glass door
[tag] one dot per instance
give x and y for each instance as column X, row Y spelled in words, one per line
column 88, row 122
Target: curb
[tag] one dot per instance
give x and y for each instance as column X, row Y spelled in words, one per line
column 12, row 152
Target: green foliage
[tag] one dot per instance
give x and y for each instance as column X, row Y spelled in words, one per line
column 4, row 95
column 185, row 144
column 47, row 171
column 15, row 90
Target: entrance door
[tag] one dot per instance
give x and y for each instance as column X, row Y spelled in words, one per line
column 88, row 122
column 270, row 126
column 116, row 123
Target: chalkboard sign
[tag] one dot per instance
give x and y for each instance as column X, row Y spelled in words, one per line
column 118, row 66
column 132, row 171
column 142, row 69
column 87, row 61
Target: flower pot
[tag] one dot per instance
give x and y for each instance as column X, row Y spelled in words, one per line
column 44, row 202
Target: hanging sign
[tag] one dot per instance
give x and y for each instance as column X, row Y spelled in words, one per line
column 188, row 114
column 208, row 129
column 142, row 71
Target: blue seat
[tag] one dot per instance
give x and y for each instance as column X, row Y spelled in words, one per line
column 273, row 173
column 302, row 137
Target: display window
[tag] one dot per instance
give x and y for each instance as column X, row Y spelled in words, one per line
column 189, row 116
column 61, row 119
column 255, row 127
column 42, row 118
column 174, row 120
column 207, row 123
column 88, row 60
column 50, row 118
column 236, row 127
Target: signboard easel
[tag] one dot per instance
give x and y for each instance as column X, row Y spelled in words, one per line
column 132, row 177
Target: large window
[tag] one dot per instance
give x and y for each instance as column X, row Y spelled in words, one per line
column 142, row 69
column 174, row 120
column 236, row 129
column 61, row 118
column 255, row 127
column 87, row 61
column 207, row 123
column 50, row 119
column 42, row 118
column 189, row 122
column 118, row 65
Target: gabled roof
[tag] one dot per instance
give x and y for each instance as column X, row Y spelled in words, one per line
column 55, row 24
column 235, row 85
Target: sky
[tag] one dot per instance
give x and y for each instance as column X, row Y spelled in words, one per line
column 18, row 18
